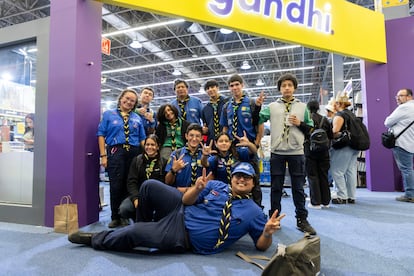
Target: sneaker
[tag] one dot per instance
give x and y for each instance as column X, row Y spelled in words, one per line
column 405, row 199
column 285, row 194
column 114, row 223
column 351, row 201
column 310, row 205
column 338, row 201
column 304, row 226
column 81, row 238
column 325, row 206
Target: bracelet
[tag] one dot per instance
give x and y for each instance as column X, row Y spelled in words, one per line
column 103, row 155
column 173, row 172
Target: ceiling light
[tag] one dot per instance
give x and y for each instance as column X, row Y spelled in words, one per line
column 225, row 31
column 259, row 82
column 150, row 26
column 245, row 65
column 232, row 54
column 135, row 44
column 176, row 72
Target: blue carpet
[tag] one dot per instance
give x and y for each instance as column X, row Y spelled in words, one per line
column 372, row 237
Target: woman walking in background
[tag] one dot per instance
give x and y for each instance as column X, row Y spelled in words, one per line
column 343, row 160
column 317, row 163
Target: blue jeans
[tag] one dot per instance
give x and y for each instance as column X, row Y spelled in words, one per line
column 404, row 160
column 296, row 166
column 344, row 171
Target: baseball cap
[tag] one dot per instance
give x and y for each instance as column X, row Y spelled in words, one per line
column 245, row 168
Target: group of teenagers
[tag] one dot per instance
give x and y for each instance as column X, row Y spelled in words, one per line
column 187, row 175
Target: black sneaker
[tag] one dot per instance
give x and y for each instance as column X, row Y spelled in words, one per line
column 304, row 226
column 338, row 201
column 81, row 238
column 351, row 201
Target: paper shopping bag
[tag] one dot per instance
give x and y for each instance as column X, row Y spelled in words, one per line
column 66, row 216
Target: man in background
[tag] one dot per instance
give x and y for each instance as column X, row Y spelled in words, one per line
column 144, row 110
column 189, row 108
column 403, row 152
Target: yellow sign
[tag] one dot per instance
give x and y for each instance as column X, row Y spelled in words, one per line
column 392, row 3
column 333, row 26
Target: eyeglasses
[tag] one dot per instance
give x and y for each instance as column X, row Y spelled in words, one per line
column 399, row 96
column 245, row 176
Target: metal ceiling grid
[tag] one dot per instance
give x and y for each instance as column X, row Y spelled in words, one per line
column 199, row 52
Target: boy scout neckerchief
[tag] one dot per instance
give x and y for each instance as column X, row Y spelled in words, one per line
column 182, row 105
column 125, row 118
column 235, row 117
column 288, row 105
column 214, row 104
column 149, row 168
column 225, row 218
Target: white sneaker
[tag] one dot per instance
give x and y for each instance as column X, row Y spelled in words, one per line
column 314, row 206
column 326, row 206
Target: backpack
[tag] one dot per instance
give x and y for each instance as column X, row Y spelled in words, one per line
column 319, row 140
column 299, row 258
column 359, row 137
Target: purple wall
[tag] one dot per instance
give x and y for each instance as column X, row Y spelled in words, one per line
column 382, row 81
column 72, row 165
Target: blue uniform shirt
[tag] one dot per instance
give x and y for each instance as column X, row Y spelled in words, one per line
column 193, row 108
column 112, row 128
column 218, row 165
column 183, row 176
column 244, row 116
column 202, row 220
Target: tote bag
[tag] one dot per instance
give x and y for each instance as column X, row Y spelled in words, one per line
column 66, row 216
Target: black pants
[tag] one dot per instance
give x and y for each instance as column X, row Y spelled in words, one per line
column 296, row 168
column 257, row 189
column 119, row 161
column 317, row 171
column 160, row 225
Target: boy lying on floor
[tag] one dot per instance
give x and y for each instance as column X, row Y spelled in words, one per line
column 209, row 217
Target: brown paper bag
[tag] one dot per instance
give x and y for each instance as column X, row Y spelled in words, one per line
column 66, row 216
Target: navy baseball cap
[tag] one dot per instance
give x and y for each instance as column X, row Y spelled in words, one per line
column 245, row 168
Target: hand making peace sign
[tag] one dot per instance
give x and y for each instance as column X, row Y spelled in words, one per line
column 260, row 99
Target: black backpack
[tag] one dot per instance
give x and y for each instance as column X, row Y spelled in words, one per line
column 319, row 140
column 359, row 137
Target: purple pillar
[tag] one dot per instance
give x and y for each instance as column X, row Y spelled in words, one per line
column 382, row 81
column 72, row 165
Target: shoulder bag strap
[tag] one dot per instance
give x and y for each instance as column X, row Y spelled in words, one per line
column 404, row 130
column 248, row 259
